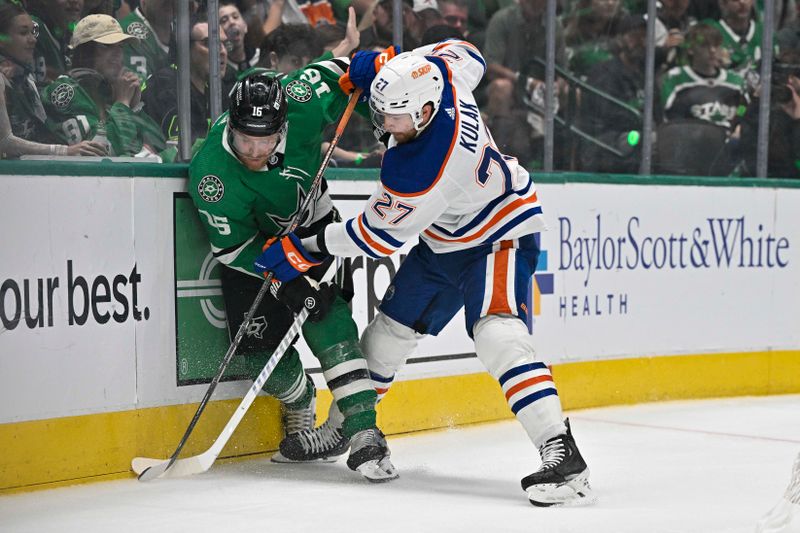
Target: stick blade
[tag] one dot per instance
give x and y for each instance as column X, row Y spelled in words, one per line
column 140, row 464
column 149, row 469
column 153, row 471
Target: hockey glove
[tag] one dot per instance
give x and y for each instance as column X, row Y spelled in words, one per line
column 304, row 293
column 285, row 258
column 363, row 68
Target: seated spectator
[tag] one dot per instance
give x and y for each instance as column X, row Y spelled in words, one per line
column 509, row 125
column 56, row 20
column 161, row 95
column 515, row 36
column 378, row 35
column 623, row 79
column 436, row 34
column 456, row 14
column 118, row 9
column 290, row 47
column 741, row 34
column 240, row 57
column 150, row 24
column 22, row 116
column 784, row 122
column 515, row 39
column 590, row 30
column 788, row 38
column 671, row 26
column 428, row 15
column 99, row 99
column 703, row 90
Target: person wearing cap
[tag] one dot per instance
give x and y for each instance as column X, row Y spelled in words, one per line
column 22, row 116
column 150, row 24
column 99, row 99
column 428, row 15
column 622, row 78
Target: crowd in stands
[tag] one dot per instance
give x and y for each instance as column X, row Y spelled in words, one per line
column 99, row 77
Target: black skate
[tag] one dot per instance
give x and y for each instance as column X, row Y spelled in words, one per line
column 563, row 478
column 369, row 455
column 324, row 444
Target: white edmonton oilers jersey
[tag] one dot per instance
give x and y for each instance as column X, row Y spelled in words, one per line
column 450, row 185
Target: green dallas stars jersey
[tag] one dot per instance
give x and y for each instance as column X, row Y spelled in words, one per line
column 241, row 208
column 73, row 117
column 144, row 55
column 745, row 51
column 687, row 95
column 50, row 54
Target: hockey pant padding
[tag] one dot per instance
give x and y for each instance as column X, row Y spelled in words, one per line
column 504, row 346
column 270, row 323
column 334, row 341
column 387, row 344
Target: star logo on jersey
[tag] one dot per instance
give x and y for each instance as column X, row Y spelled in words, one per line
column 62, row 95
column 299, row 91
column 138, row 30
column 256, row 327
column 211, row 189
column 285, row 223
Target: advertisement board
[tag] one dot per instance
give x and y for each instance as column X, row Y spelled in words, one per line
column 110, row 300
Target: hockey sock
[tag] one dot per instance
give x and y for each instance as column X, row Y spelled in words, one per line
column 345, row 371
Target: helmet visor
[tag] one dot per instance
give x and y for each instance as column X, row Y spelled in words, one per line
column 391, row 122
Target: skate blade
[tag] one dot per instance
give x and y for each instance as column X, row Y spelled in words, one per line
column 574, row 493
column 279, row 458
column 378, row 471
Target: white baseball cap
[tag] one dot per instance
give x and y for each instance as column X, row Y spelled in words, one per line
column 102, row 29
column 422, row 5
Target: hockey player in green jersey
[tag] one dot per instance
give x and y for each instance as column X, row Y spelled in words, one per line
column 248, row 182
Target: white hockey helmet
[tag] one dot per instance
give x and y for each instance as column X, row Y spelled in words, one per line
column 404, row 85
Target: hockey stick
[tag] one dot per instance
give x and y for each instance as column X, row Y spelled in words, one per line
column 153, row 468
column 154, row 471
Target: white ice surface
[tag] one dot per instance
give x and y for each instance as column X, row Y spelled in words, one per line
column 712, row 466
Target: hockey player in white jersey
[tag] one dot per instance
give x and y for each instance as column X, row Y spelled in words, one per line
column 476, row 212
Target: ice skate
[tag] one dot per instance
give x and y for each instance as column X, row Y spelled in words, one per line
column 563, row 478
column 304, row 443
column 369, row 455
column 324, row 444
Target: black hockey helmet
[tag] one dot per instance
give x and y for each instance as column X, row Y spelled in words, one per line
column 258, row 105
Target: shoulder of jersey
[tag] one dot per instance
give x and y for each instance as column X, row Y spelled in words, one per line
column 62, row 92
column 413, row 168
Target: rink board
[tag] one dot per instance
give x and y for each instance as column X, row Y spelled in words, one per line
column 113, row 323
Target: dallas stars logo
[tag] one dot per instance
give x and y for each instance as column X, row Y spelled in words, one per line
column 257, row 327
column 299, row 91
column 285, row 223
column 211, row 188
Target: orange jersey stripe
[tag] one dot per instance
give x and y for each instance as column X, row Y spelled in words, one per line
column 499, row 303
column 370, row 241
column 527, row 383
column 492, row 222
column 451, row 43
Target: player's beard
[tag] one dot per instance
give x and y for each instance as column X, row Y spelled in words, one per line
column 253, row 163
